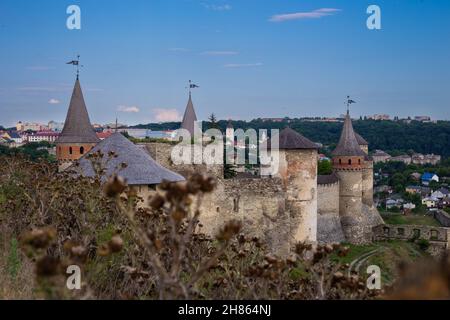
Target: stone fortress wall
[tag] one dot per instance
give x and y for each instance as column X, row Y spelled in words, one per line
column 438, row 237
column 259, row 203
column 329, row 228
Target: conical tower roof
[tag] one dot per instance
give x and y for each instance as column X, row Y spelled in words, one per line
column 77, row 128
column 140, row 169
column 190, row 117
column 290, row 139
column 348, row 144
column 361, row 140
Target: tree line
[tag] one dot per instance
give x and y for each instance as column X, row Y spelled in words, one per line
column 391, row 136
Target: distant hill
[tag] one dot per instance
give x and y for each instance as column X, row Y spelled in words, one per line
column 391, row 136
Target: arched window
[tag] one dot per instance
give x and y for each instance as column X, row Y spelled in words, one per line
column 70, row 150
column 340, row 161
column 81, row 150
column 359, row 161
column 350, row 161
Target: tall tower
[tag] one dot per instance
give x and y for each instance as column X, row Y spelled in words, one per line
column 298, row 171
column 77, row 136
column 348, row 163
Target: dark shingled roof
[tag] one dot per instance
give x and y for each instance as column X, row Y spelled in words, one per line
column 327, row 179
column 348, row 145
column 189, row 117
column 361, row 140
column 141, row 169
column 77, row 128
column 292, row 140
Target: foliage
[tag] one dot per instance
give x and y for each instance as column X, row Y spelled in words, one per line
column 325, row 167
column 13, row 259
column 128, row 250
column 394, row 137
column 35, row 151
column 413, row 219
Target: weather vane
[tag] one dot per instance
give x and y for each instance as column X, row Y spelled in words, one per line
column 191, row 86
column 349, row 102
column 76, row 63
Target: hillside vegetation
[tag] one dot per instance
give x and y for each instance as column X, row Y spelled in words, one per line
column 391, row 136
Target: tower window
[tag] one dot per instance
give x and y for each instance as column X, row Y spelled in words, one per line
column 70, row 150
column 81, row 150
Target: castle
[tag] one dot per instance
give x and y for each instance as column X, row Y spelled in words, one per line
column 294, row 205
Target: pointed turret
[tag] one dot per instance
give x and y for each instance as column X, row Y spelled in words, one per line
column 348, row 145
column 77, row 128
column 77, row 136
column 190, row 117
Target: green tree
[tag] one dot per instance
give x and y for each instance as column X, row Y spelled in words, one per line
column 325, row 167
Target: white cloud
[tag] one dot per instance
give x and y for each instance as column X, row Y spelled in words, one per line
column 316, row 14
column 216, row 7
column 220, row 53
column 242, row 65
column 54, row 101
column 128, row 109
column 166, row 115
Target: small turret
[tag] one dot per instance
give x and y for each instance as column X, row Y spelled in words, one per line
column 77, row 137
column 190, row 118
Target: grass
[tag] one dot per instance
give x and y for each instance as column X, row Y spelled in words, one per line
column 390, row 254
column 415, row 219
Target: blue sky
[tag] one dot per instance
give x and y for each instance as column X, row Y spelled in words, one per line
column 139, row 55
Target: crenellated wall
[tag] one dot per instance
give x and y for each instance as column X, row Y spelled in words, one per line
column 329, row 228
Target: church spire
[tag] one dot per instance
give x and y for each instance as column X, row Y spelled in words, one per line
column 190, row 117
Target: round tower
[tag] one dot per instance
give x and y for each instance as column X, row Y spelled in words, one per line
column 348, row 164
column 298, row 171
column 77, row 137
column 367, row 172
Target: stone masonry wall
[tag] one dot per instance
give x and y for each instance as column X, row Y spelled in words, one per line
column 443, row 217
column 350, row 206
column 438, row 237
column 367, row 183
column 161, row 153
column 329, row 229
column 299, row 175
column 258, row 203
